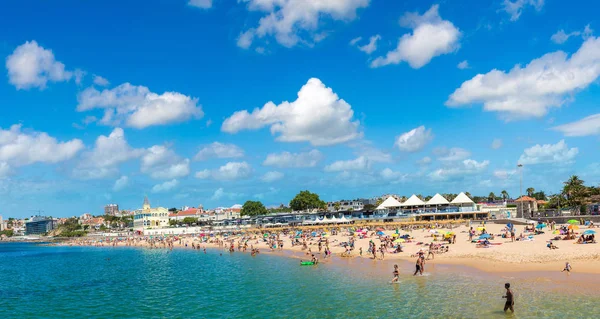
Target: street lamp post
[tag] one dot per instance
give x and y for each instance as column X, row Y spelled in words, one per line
column 520, row 166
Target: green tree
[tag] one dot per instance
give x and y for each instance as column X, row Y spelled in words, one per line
column 379, row 201
column 306, row 200
column 190, row 220
column 172, row 222
column 253, row 208
column 504, row 195
column 336, row 206
column 370, row 207
column 491, row 197
column 530, row 191
column 575, row 192
column 7, row 233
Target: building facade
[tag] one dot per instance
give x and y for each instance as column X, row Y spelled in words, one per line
column 39, row 225
column 148, row 218
column 346, row 205
column 111, row 209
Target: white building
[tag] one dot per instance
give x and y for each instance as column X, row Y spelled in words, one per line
column 148, row 218
column 346, row 205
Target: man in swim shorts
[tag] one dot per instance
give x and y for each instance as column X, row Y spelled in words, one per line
column 510, row 303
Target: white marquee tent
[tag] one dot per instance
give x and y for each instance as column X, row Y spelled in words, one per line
column 438, row 200
column 413, row 201
column 462, row 199
column 388, row 203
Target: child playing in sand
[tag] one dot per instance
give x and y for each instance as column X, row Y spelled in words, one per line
column 567, row 267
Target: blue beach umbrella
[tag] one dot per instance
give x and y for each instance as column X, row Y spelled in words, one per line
column 485, row 236
column 589, row 232
column 380, row 233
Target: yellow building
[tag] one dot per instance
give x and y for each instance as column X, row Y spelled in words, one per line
column 149, row 218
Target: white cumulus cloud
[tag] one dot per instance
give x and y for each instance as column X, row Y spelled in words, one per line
column 464, row 168
column 228, row 172
column 561, row 36
column 272, row 176
column 219, row 150
column 137, row 107
column 289, row 20
column 106, row 156
column 558, row 153
column 496, row 143
column 452, row 154
column 359, row 164
column 121, row 183
column 515, row 7
column 5, row 170
column 432, row 36
column 530, row 91
column 586, row 126
column 463, row 65
column 202, row 4
column 165, row 187
column 318, row 116
column 369, row 47
column 20, row 148
column 414, row 140
column 31, row 66
column 160, row 162
column 100, row 81
column 293, row 160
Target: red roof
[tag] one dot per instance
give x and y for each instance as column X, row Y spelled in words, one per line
column 525, row 199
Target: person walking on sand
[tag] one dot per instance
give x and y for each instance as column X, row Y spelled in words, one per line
column 510, row 302
column 567, row 267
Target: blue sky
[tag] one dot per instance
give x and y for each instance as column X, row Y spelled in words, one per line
column 217, row 102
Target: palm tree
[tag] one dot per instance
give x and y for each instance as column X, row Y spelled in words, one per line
column 530, row 191
column 491, row 197
column 504, row 195
column 468, row 195
column 575, row 192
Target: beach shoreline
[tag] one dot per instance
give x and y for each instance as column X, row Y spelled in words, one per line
column 504, row 256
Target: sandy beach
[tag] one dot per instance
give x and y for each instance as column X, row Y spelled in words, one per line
column 502, row 255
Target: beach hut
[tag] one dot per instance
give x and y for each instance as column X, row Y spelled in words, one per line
column 437, row 200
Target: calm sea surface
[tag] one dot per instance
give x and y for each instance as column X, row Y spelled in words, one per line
column 74, row 282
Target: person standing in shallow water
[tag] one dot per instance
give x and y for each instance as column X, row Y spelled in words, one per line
column 396, row 274
column 510, row 302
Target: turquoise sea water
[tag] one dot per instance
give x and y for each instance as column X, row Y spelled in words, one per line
column 75, row 282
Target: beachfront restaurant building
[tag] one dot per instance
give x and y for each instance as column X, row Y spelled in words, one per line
column 148, row 218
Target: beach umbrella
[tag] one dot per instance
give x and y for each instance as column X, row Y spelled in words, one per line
column 379, row 229
column 485, row 236
column 574, row 227
column 380, row 233
column 540, row 226
column 480, row 228
column 395, row 235
column 589, row 232
column 399, row 240
column 573, row 222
